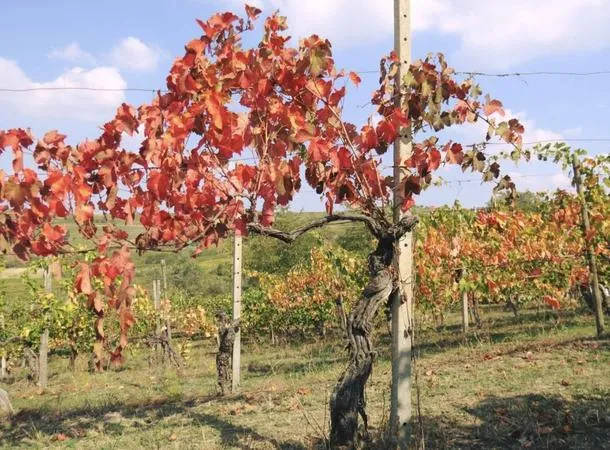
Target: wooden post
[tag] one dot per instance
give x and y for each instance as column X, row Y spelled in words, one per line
column 402, row 305
column 157, row 302
column 465, row 312
column 586, row 227
column 155, row 294
column 163, row 271
column 3, row 368
column 167, row 321
column 168, row 326
column 43, row 350
column 237, row 262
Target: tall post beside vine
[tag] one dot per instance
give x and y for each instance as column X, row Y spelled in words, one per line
column 402, row 302
column 586, row 228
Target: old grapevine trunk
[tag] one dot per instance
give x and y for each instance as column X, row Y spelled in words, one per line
column 226, row 339
column 347, row 400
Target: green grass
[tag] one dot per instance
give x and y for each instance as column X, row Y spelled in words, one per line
column 538, row 381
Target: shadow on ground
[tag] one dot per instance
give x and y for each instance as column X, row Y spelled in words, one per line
column 494, row 330
column 527, row 421
column 117, row 418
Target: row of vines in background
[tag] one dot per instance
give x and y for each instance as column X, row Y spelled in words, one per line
column 530, row 255
column 521, row 258
column 70, row 319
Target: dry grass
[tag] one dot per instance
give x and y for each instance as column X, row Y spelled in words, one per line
column 534, row 382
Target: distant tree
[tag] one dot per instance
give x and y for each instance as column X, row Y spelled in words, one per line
column 526, row 201
column 274, row 256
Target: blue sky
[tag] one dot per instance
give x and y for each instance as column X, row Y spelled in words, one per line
column 132, row 43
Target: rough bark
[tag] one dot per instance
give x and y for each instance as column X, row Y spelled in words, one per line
column 348, row 400
column 160, row 343
column 512, row 306
column 475, row 311
column 91, row 363
column 586, row 293
column 98, row 346
column 6, row 408
column 43, row 366
column 30, row 361
column 224, row 357
column 73, row 356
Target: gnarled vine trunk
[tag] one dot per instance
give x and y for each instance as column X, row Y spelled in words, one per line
column 512, row 306
column 586, row 293
column 474, row 305
column 73, row 356
column 226, row 338
column 347, row 400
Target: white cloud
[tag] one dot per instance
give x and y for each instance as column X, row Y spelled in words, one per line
column 346, row 23
column 490, row 34
column 63, row 104
column 476, row 132
column 134, row 142
column 543, row 181
column 534, row 176
column 498, row 34
column 532, row 132
column 72, row 53
column 133, row 54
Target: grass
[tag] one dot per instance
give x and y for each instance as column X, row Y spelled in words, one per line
column 538, row 381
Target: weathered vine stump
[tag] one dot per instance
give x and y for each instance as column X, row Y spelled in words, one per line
column 73, row 356
column 585, row 291
column 474, row 306
column 348, row 400
column 512, row 307
column 6, row 408
column 160, row 343
column 224, row 358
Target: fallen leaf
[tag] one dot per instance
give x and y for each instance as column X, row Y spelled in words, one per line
column 303, row 391
column 60, row 437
